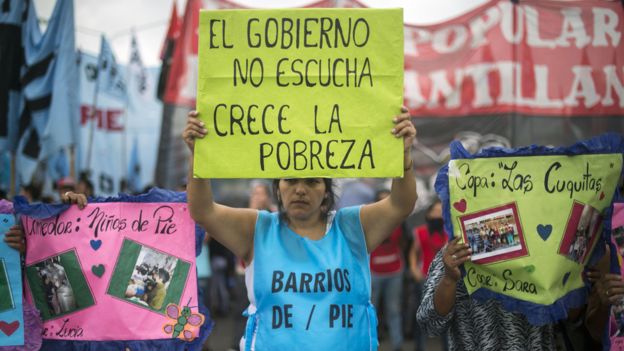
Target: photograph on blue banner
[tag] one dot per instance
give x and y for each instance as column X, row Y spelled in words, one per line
column 6, row 297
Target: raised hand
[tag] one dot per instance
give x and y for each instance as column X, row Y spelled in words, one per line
column 194, row 129
column 73, row 198
column 404, row 128
column 14, row 237
column 609, row 287
column 455, row 254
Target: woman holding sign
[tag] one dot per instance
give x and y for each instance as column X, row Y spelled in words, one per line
column 472, row 325
column 307, row 274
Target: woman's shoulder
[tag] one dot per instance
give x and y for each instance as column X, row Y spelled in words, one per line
column 268, row 214
column 265, row 219
column 345, row 213
column 346, row 218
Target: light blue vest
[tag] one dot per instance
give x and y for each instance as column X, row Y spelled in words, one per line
column 311, row 295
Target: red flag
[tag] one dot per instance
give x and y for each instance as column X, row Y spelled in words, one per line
column 166, row 52
column 182, row 80
column 172, row 32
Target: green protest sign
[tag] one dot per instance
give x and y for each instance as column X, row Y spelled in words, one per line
column 531, row 221
column 299, row 93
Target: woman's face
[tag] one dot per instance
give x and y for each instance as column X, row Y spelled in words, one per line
column 436, row 211
column 302, row 198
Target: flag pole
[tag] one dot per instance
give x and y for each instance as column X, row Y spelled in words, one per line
column 127, row 106
column 93, row 115
column 92, row 127
column 124, row 145
column 72, row 161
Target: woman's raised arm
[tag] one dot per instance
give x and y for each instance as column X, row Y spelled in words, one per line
column 379, row 219
column 232, row 227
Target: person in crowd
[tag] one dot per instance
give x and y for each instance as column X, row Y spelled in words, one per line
column 14, row 238
column 387, row 264
column 473, row 325
column 478, row 241
column 161, row 277
column 32, row 192
column 607, row 292
column 471, row 233
column 64, row 185
column 470, row 325
column 428, row 240
column 495, row 236
column 260, row 199
column 85, row 186
column 136, row 288
column 357, row 192
column 222, row 261
column 204, row 272
column 307, row 268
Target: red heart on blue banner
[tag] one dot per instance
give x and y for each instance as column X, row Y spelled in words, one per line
column 9, row 328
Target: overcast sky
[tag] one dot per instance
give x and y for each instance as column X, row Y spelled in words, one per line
column 150, row 18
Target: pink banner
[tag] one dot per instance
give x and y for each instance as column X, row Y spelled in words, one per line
column 114, row 271
column 616, row 323
column 562, row 58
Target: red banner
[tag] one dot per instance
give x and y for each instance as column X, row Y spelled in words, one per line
column 538, row 57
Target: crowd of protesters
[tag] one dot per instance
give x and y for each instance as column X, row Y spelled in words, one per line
column 395, row 288
column 400, row 284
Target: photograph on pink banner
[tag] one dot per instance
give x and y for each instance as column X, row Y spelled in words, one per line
column 147, row 277
column 616, row 322
column 58, row 285
column 116, row 264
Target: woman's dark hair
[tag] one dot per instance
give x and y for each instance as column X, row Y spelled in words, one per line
column 430, row 208
column 326, row 206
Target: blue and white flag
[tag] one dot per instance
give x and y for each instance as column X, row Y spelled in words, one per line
column 143, row 120
column 139, row 82
column 102, row 131
column 110, row 78
column 11, row 59
column 121, row 139
column 49, row 118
